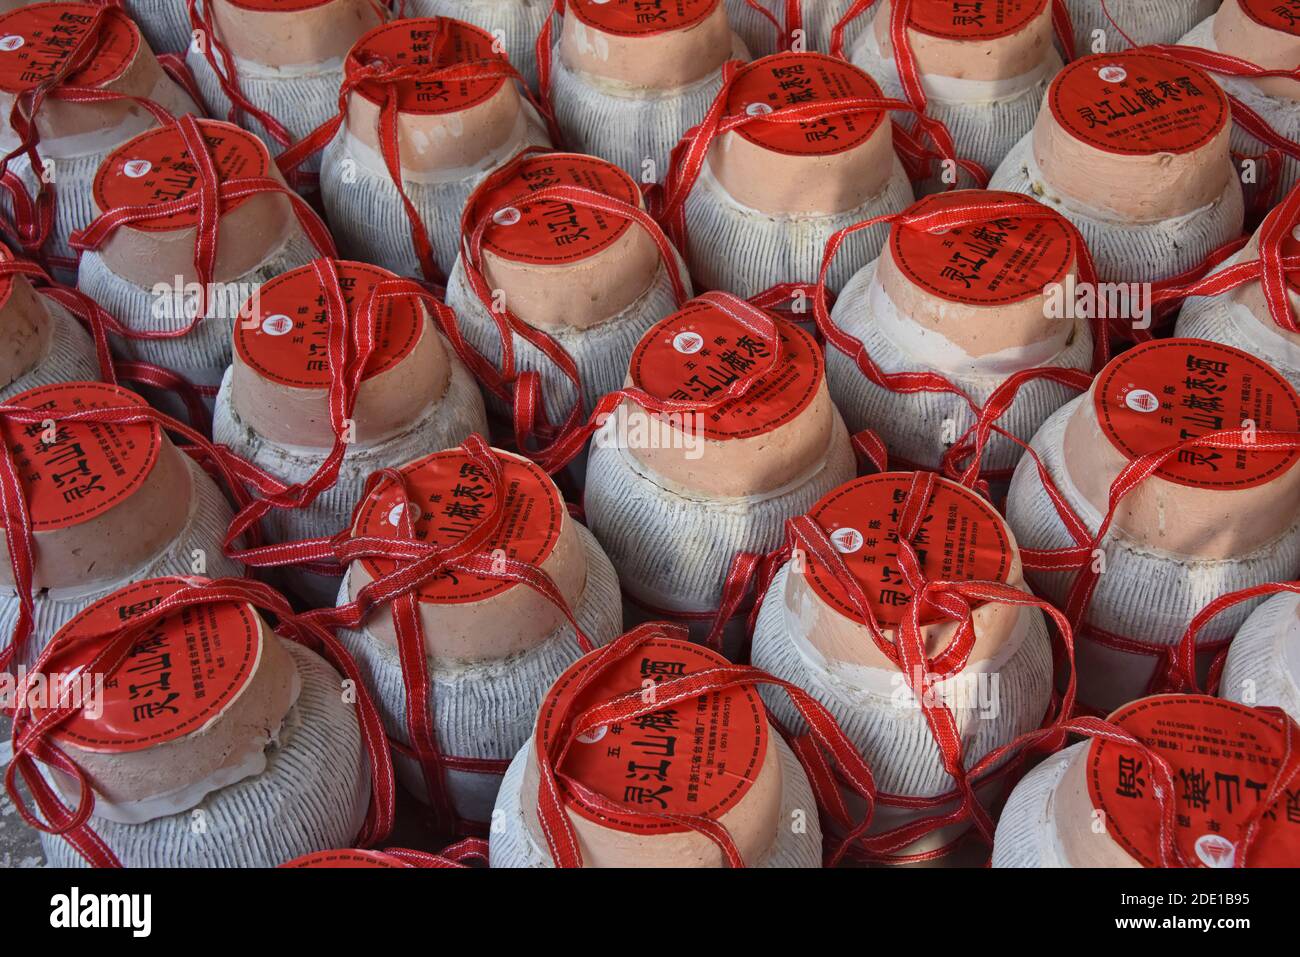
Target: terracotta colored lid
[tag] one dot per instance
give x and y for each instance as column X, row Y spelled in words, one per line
column 1265, row 32
column 273, row 33
column 986, row 41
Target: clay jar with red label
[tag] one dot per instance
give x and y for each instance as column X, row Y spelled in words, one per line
column 1137, row 136
column 280, row 374
column 1226, row 502
column 1224, row 757
column 561, row 266
column 34, row 47
column 962, row 538
column 823, row 167
column 471, row 618
column 1004, row 39
column 103, row 499
column 766, row 439
column 662, row 45
column 155, row 167
column 982, row 287
column 715, row 757
column 444, row 130
column 1263, row 32
column 191, row 701
column 297, row 33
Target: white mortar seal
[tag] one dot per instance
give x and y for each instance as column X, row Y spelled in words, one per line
column 286, row 59
column 1205, row 524
column 763, row 798
column 626, row 88
column 40, row 341
column 76, row 136
column 770, row 195
column 806, row 634
column 1263, row 663
column 161, row 514
column 144, row 273
column 450, row 135
column 983, row 78
column 970, row 304
column 1268, row 35
column 219, row 744
column 513, row 24
column 1152, row 189
column 1098, row 803
column 674, row 500
column 493, row 647
column 273, row 408
column 592, row 282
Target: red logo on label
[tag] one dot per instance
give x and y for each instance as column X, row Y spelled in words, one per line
column 36, row 40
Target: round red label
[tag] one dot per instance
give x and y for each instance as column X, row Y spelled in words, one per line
column 436, row 41
column 1168, row 391
column 72, row 472
column 973, row 19
column 790, row 79
column 961, row 539
column 288, row 341
column 551, row 233
column 155, row 167
column 180, row 675
column 347, row 857
column 1283, row 15
column 999, row 260
column 698, row 351
column 639, row 18
column 35, row 42
column 277, row 6
column 696, row 757
column 1224, row 758
column 1137, row 104
column 454, row 497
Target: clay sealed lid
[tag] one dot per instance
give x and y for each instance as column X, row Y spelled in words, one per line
column 636, row 18
column 347, row 857
column 436, row 41
column 1137, row 103
column 1281, row 15
column 1224, row 758
column 698, row 757
column 961, row 538
column 72, row 472
column 1160, row 393
column 787, row 79
column 699, row 351
column 454, row 497
column 178, row 677
column 156, row 167
column 287, row 341
column 36, row 40
column 966, row 20
column 549, row 232
column 1001, row 260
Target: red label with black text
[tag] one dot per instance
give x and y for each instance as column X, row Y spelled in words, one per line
column 1000, row 260
column 1137, row 104
column 790, row 79
column 454, row 497
column 1165, row 392
column 288, row 341
column 638, row 18
column 973, row 19
column 179, row 675
column 348, row 857
column 549, row 232
column 155, row 167
column 698, row 757
column 36, row 41
column 435, row 41
column 72, row 472
column 698, row 351
column 961, row 538
column 1225, row 759
column 1283, row 15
